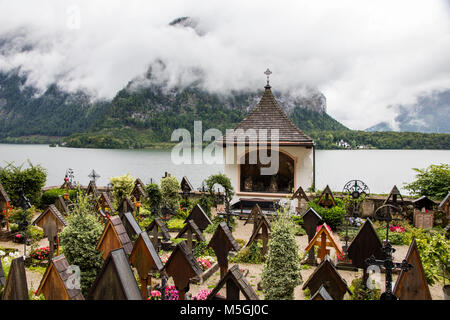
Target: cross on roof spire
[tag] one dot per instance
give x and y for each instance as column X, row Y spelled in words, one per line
column 268, row 73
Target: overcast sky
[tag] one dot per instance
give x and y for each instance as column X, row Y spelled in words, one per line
column 363, row 55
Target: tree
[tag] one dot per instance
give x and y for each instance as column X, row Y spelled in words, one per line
column 281, row 271
column 154, row 196
column 169, row 191
column 79, row 240
column 122, row 186
column 31, row 180
column 433, row 181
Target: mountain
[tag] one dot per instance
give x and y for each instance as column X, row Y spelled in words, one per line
column 429, row 114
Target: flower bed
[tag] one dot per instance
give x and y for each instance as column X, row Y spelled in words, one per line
column 40, row 254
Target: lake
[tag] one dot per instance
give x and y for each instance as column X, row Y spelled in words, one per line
column 379, row 169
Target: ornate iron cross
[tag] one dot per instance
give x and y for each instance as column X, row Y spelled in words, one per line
column 94, row 175
column 268, row 73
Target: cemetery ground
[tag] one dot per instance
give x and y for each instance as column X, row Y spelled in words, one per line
column 253, row 271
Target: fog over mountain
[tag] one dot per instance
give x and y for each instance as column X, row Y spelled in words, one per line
column 363, row 56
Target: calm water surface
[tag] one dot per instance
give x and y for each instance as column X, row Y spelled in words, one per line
column 379, row 169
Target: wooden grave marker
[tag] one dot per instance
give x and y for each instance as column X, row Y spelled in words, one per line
column 52, row 222
column 321, row 294
column 158, row 232
column 300, row 195
column 235, row 283
column 254, row 216
column 2, row 275
column 131, row 226
column 182, row 266
column 393, row 196
column 5, row 206
column 327, row 276
column 139, row 193
column 92, row 189
column 200, row 218
column 190, row 230
column 326, row 240
column 114, row 236
column 222, row 243
column 57, row 283
column 261, row 232
column 115, row 280
column 61, row 205
column 412, row 285
column 311, row 220
column 445, row 205
column 126, row 206
column 423, row 212
column 326, row 199
column 186, row 185
column 145, row 259
column 16, row 287
column 104, row 204
column 365, row 244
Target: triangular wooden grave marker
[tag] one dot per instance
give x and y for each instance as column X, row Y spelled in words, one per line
column 255, row 215
column 200, row 218
column 189, row 231
column 104, row 203
column 300, row 195
column 115, row 280
column 5, row 205
column 2, row 275
column 311, row 220
column 57, row 283
column 186, row 185
column 92, row 189
column 326, row 274
column 145, row 259
column 16, row 287
column 235, row 283
column 61, row 205
column 324, row 239
column 139, row 192
column 156, row 230
column 131, row 226
column 412, row 285
column 182, row 266
column 52, row 222
column 365, row 244
column 222, row 243
column 114, row 236
column 445, row 204
column 326, row 199
column 321, row 294
column 393, row 196
column 126, row 206
column 261, row 232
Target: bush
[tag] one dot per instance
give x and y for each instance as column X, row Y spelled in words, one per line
column 122, row 186
column 334, row 216
column 175, row 224
column 32, row 180
column 201, row 249
column 359, row 292
column 49, row 197
column 79, row 240
column 433, row 181
column 155, row 197
column 169, row 191
column 281, row 271
column 250, row 254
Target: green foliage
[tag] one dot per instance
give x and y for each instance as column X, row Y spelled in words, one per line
column 281, row 271
column 216, row 221
column 251, row 254
column 121, row 187
column 201, row 249
column 222, row 180
column 79, row 240
column 205, row 202
column 433, row 181
column 32, row 180
column 359, row 292
column 175, row 224
column 169, row 191
column 155, row 197
column 35, row 234
column 22, row 218
column 50, row 196
column 334, row 216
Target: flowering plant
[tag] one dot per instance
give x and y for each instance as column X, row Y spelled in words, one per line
column 202, row 295
column 171, row 293
column 205, row 262
column 155, row 295
column 40, row 253
column 318, row 227
column 396, row 229
column 355, row 222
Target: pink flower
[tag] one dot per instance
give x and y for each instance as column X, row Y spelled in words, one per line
column 318, row 227
column 18, row 236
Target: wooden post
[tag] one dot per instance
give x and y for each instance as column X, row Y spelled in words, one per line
column 57, row 242
column 7, row 208
column 323, row 246
column 223, row 269
column 144, row 290
column 189, row 240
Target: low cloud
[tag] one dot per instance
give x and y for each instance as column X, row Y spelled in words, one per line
column 363, row 55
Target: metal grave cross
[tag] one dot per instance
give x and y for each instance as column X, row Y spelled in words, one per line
column 268, row 73
column 94, row 175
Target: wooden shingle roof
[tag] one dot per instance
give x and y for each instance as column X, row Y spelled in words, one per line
column 125, row 206
column 144, row 256
column 444, row 202
column 199, row 216
column 131, row 226
column 268, row 115
column 190, row 225
column 235, row 276
column 114, row 236
column 16, row 287
column 3, row 194
column 53, row 211
column 185, row 183
column 54, row 282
